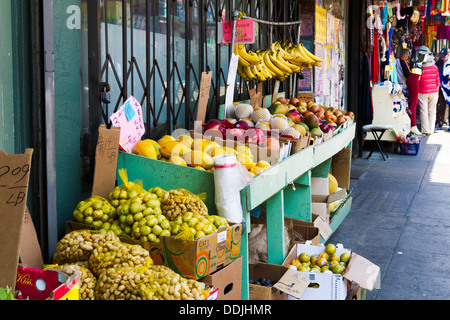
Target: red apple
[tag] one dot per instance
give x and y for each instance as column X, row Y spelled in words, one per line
column 229, row 123
column 314, row 108
column 350, row 114
column 252, row 136
column 241, row 124
column 272, row 143
column 294, row 101
column 295, row 116
column 235, row 134
column 283, row 100
column 302, row 109
column 213, row 124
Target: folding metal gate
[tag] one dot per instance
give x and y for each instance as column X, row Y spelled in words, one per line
column 176, row 40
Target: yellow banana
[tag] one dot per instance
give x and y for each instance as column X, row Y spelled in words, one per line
column 251, row 59
column 249, row 74
column 302, row 53
column 258, row 74
column 273, row 74
column 279, row 63
column 243, row 62
column 265, row 72
column 310, row 55
column 268, row 62
column 294, row 68
column 273, row 47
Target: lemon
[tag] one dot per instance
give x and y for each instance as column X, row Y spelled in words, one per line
column 165, row 139
column 333, row 183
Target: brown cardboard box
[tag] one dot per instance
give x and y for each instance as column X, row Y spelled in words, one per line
column 297, row 145
column 268, row 271
column 195, row 259
column 14, row 180
column 285, row 281
column 228, row 280
column 303, row 231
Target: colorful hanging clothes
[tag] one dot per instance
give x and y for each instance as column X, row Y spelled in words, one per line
column 375, row 58
column 443, row 31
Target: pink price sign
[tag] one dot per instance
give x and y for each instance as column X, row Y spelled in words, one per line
column 130, row 120
column 245, row 32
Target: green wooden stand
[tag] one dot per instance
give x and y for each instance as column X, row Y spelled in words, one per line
column 284, row 189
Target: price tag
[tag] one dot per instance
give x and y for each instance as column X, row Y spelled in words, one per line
column 129, row 119
column 106, row 161
column 14, row 178
column 245, row 31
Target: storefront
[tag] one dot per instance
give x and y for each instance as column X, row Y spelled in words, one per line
column 158, row 52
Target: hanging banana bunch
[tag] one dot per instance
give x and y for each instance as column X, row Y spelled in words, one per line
column 276, row 62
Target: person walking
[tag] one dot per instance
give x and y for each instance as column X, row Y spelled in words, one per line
column 442, row 109
column 428, row 91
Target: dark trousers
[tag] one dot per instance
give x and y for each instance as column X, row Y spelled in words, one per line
column 442, row 110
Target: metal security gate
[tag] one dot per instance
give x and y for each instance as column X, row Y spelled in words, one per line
column 158, row 52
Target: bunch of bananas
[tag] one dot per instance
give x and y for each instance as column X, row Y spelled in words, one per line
column 277, row 62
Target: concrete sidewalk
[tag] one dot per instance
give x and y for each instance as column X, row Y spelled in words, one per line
column 400, row 220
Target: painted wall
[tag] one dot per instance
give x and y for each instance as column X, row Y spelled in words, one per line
column 6, row 80
column 67, row 111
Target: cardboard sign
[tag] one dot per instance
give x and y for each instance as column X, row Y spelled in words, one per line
column 106, row 161
column 245, row 31
column 30, row 250
column 293, row 283
column 130, row 121
column 229, row 96
column 324, row 228
column 363, row 272
column 14, row 178
column 205, row 86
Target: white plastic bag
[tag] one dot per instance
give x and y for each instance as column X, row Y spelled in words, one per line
column 230, row 177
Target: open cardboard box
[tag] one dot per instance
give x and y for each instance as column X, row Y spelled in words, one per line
column 334, row 286
column 285, row 280
column 297, row 145
column 228, row 281
column 191, row 259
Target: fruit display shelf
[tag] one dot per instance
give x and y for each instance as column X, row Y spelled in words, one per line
column 284, row 189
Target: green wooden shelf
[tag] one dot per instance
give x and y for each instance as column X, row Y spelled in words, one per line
column 284, row 190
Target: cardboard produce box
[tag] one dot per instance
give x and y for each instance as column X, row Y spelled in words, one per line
column 320, row 203
column 228, row 281
column 303, row 231
column 191, row 259
column 330, row 286
column 297, row 145
column 38, row 284
column 284, row 280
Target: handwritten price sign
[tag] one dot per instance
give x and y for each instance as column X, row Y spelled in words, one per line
column 130, row 121
column 14, row 178
column 245, row 31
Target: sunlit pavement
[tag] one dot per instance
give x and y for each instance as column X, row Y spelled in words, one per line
column 400, row 220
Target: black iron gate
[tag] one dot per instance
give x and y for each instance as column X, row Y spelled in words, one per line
column 176, row 40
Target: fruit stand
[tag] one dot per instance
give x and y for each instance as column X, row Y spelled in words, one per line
column 284, row 189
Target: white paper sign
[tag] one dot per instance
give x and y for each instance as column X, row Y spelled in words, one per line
column 232, row 70
column 129, row 119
